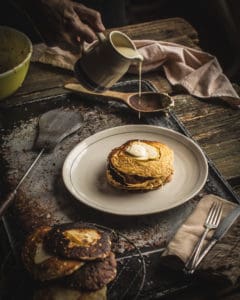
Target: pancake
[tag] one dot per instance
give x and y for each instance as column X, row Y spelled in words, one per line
column 57, row 292
column 94, row 275
column 143, row 186
column 140, row 165
column 78, row 241
column 42, row 264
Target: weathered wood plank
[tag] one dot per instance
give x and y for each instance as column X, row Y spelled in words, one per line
column 216, row 127
column 165, row 29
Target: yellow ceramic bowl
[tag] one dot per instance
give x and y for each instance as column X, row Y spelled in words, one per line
column 15, row 54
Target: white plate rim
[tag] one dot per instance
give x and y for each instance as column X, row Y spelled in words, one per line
column 129, row 129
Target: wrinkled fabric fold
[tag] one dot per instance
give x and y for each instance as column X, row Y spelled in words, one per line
column 197, row 71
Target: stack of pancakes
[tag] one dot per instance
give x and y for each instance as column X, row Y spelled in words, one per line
column 140, row 165
column 76, row 257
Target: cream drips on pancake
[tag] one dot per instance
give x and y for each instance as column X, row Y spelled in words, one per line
column 142, row 151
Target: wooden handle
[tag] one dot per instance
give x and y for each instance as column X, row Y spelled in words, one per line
column 76, row 87
column 7, row 202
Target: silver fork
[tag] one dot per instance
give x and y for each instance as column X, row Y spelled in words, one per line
column 211, row 222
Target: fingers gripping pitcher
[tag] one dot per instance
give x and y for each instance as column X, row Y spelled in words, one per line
column 106, row 61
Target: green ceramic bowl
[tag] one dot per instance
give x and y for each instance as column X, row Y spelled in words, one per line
column 15, row 54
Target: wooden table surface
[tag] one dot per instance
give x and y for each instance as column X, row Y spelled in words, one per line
column 214, row 125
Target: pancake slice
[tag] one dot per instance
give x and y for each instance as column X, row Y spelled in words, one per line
column 42, row 264
column 94, row 275
column 57, row 292
column 78, row 241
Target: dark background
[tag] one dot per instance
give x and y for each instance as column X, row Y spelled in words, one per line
column 217, row 22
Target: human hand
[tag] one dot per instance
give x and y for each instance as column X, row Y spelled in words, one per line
column 67, row 24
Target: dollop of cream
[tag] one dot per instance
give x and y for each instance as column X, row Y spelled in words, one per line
column 41, row 255
column 142, row 151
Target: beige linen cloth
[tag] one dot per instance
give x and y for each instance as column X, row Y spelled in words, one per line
column 197, row 71
column 223, row 261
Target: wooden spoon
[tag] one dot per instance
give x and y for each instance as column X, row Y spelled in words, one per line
column 148, row 102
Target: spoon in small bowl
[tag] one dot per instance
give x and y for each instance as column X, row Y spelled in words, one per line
column 148, row 102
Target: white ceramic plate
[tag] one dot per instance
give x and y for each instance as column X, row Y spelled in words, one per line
column 84, row 171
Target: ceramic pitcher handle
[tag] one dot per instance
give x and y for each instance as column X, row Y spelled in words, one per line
column 101, row 38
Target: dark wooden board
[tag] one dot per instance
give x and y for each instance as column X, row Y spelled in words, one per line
column 214, row 125
column 43, row 199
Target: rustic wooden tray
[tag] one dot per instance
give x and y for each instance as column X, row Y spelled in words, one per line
column 43, row 199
